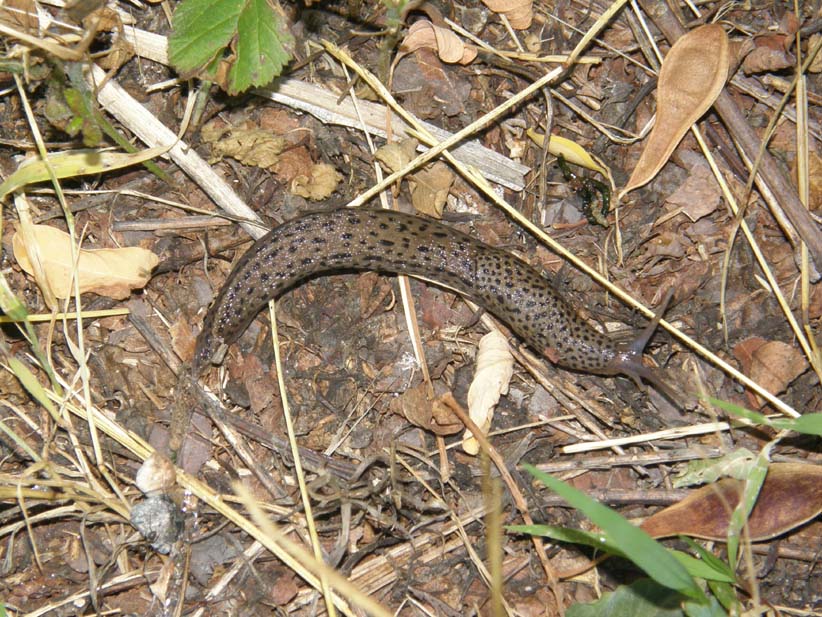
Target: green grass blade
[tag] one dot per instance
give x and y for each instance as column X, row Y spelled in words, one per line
column 637, row 546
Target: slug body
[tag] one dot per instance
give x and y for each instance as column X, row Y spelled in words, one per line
column 388, row 241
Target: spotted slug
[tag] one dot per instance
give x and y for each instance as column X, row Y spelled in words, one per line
column 388, row 241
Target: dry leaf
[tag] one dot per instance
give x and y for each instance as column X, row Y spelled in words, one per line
column 692, row 76
column 292, row 163
column 495, row 366
column 766, row 59
column 19, row 13
column 815, row 179
column 108, row 272
column 772, row 364
column 518, row 12
column 790, row 496
column 429, row 189
column 251, row 146
column 434, row 416
column 397, row 154
column 448, row 46
column 322, row 181
column 816, row 63
column 699, row 195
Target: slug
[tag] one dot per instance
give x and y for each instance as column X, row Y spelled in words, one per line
column 389, row 241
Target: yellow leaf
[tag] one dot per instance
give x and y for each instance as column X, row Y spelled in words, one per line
column 571, row 152
column 107, row 272
column 692, row 76
column 74, row 163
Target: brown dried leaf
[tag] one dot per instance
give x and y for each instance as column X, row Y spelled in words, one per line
column 692, row 76
column 429, row 189
column 292, row 163
column 816, row 63
column 250, row 146
column 448, row 46
column 766, row 60
column 772, row 364
column 396, row 155
column 432, row 416
column 19, row 14
column 319, row 184
column 815, row 179
column 518, row 12
column 108, row 272
column 699, row 195
column 790, row 496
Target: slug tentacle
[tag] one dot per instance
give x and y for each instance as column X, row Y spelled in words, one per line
column 387, row 241
column 628, row 361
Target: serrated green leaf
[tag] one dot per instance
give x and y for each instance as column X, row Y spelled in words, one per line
column 644, row 598
column 253, row 29
column 262, row 47
column 637, row 545
column 202, row 30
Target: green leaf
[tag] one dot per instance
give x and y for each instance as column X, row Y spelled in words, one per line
column 262, row 47
column 637, row 545
column 31, row 384
column 248, row 34
column 710, row 609
column 701, row 569
column 740, row 515
column 726, row 595
column 712, row 560
column 644, row 598
column 202, row 30
column 809, row 423
column 574, row 536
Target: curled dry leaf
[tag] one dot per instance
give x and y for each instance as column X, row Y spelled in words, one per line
column 434, row 416
column 518, row 12
column 448, row 46
column 108, row 272
column 247, row 144
column 319, row 184
column 692, row 76
column 429, row 189
column 495, row 366
column 790, row 496
column 397, row 154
